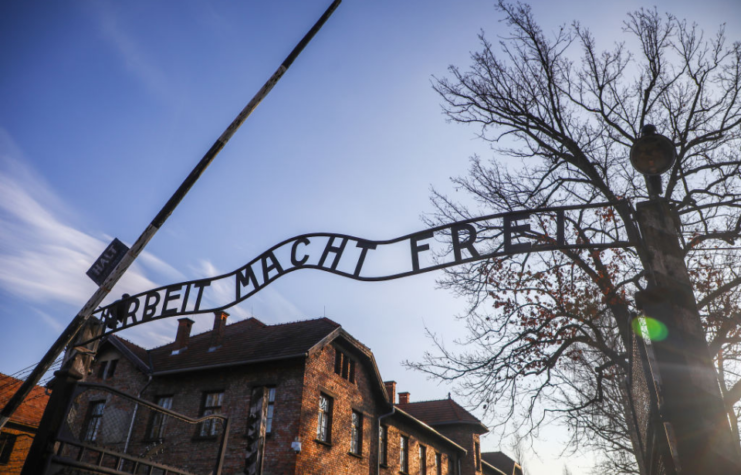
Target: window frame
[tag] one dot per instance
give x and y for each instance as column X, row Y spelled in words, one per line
column 102, row 369
column 159, row 419
column 477, row 454
column 404, row 453
column 7, row 444
column 209, row 429
column 110, row 370
column 383, row 445
column 344, row 365
column 93, row 418
column 422, row 460
column 324, row 419
column 107, row 369
column 438, row 463
column 356, row 433
column 338, row 356
column 270, row 412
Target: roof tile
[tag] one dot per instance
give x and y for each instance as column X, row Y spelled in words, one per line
column 137, row 350
column 499, row 460
column 439, row 412
column 33, row 406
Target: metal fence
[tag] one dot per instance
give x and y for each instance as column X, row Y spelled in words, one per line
column 106, row 431
column 644, row 394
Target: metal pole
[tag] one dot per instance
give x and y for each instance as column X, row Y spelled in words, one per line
column 222, row 448
column 68, row 334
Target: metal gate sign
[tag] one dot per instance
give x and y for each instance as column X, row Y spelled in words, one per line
column 107, row 261
column 444, row 246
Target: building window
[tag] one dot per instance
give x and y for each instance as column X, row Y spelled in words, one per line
column 324, row 424
column 438, row 464
column 404, row 454
column 451, row 466
column 477, row 454
column 159, row 419
column 7, row 442
column 111, row 369
column 383, row 445
column 211, row 405
column 101, row 369
column 271, row 410
column 338, row 356
column 107, row 369
column 356, row 433
column 344, row 366
column 422, row 460
column 94, row 419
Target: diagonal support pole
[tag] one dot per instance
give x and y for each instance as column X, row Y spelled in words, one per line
column 74, row 327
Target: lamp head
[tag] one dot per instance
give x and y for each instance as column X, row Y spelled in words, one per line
column 652, row 154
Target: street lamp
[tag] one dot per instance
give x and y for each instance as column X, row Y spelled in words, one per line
column 652, row 154
column 692, row 434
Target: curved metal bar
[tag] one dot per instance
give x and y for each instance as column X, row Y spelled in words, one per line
column 143, row 402
column 118, row 315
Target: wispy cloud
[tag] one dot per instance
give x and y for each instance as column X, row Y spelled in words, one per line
column 135, row 58
column 43, row 259
column 49, row 320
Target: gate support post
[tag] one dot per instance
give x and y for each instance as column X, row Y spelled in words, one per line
column 64, row 384
column 694, row 417
column 77, row 362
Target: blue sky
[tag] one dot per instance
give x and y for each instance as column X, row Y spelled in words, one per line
column 106, row 106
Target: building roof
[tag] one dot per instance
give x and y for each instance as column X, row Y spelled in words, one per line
column 441, row 412
column 409, row 418
column 30, row 411
column 135, row 349
column 247, row 341
column 134, row 353
column 499, row 461
column 490, row 469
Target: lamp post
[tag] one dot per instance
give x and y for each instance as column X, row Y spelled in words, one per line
column 691, row 413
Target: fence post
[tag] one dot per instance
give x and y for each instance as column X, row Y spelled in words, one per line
column 76, row 365
column 63, row 390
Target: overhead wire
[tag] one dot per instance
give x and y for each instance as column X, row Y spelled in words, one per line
column 19, row 376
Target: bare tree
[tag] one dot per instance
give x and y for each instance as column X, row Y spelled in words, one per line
column 517, row 449
column 548, row 332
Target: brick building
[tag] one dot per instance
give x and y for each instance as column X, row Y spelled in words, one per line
column 18, row 433
column 326, row 408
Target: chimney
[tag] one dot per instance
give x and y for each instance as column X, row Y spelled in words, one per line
column 181, row 340
column 403, row 398
column 391, row 390
column 217, row 334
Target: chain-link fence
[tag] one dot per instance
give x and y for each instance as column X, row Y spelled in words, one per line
column 644, row 389
column 108, row 431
